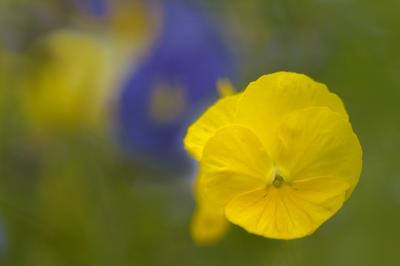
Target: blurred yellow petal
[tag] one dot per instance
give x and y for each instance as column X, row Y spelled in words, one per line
column 225, row 88
column 316, row 142
column 289, row 212
column 217, row 116
column 266, row 100
column 234, row 161
column 130, row 18
column 209, row 225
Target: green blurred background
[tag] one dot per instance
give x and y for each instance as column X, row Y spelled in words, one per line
column 70, row 196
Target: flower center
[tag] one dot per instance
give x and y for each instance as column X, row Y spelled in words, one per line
column 167, row 103
column 278, row 181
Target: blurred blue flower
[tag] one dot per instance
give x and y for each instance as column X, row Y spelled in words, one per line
column 176, row 80
column 98, row 8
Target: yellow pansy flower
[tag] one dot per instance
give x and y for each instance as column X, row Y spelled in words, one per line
column 278, row 159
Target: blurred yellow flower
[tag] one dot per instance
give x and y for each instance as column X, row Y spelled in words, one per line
column 68, row 90
column 280, row 158
column 75, row 85
column 75, row 82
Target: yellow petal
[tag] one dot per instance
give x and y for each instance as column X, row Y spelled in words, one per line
column 220, row 114
column 316, row 142
column 234, row 161
column 209, row 225
column 291, row 211
column 225, row 88
column 272, row 96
